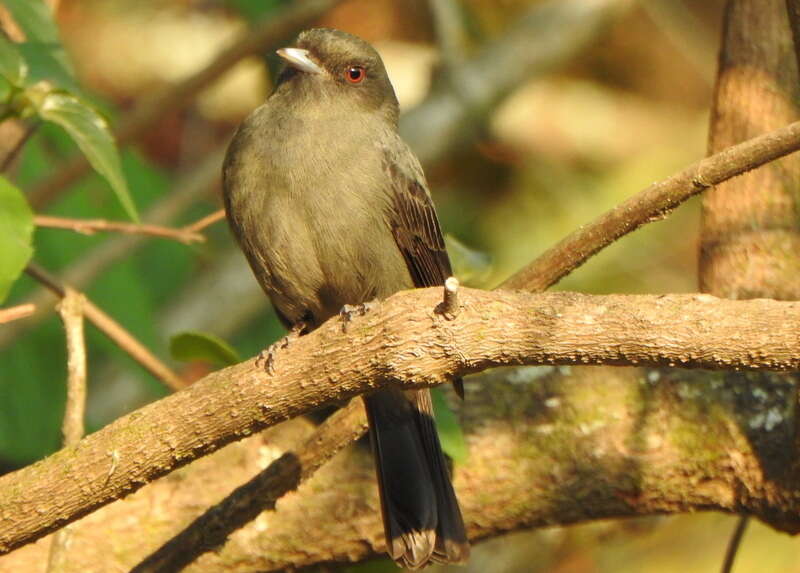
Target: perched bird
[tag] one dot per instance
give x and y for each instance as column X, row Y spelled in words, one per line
column 331, row 208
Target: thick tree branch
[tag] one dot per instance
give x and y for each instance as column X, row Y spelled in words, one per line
column 749, row 232
column 397, row 342
column 285, row 474
column 546, row 446
column 653, row 204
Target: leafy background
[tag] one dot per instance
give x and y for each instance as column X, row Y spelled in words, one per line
column 629, row 109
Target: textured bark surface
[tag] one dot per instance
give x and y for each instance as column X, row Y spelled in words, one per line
column 396, row 342
column 750, row 242
column 547, row 445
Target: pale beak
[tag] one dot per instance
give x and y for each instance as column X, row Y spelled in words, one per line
column 300, row 59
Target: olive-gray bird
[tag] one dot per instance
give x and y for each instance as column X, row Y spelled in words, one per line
column 331, row 208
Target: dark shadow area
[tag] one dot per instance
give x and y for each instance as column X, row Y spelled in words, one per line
column 211, row 530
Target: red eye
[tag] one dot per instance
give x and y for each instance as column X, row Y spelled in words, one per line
column 355, row 74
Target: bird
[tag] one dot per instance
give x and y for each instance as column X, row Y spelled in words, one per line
column 331, row 208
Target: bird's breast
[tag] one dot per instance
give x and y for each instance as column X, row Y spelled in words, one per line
column 313, row 224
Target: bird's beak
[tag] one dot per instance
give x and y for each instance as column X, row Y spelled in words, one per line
column 300, row 59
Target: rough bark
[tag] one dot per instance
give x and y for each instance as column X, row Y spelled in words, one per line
column 750, row 243
column 547, row 445
column 398, row 343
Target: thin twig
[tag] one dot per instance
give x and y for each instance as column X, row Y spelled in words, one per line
column 652, row 204
column 205, row 222
column 733, row 543
column 71, row 309
column 270, row 31
column 116, row 332
column 197, row 181
column 793, row 12
column 27, row 132
column 91, row 226
column 16, row 312
column 246, row 502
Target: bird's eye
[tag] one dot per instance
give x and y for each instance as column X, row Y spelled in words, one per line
column 355, row 74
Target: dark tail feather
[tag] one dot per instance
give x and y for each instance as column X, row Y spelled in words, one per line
column 421, row 516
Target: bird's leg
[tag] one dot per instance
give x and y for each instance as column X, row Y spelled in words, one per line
column 350, row 311
column 267, row 356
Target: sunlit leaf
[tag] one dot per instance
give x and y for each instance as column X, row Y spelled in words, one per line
column 90, row 131
column 450, row 433
column 192, row 345
column 34, row 19
column 16, row 230
column 12, row 66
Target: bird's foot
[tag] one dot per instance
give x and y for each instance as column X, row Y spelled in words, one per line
column 266, row 357
column 350, row 311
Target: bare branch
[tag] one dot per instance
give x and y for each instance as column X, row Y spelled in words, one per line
column 285, row 474
column 22, row 134
column 91, row 226
column 197, row 182
column 206, row 221
column 16, row 312
column 793, row 12
column 749, row 236
column 111, row 328
column 653, row 204
column 395, row 344
column 71, row 310
column 733, row 544
column 543, row 451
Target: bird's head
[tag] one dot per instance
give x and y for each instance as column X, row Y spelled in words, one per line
column 327, row 63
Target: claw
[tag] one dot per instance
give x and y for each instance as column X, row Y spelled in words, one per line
column 350, row 311
column 267, row 356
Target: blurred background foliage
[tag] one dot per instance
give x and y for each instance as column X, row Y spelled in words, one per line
column 627, row 109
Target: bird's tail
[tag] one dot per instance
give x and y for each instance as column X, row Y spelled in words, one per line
column 421, row 517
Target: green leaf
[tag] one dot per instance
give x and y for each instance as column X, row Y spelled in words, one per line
column 12, row 66
column 16, row 230
column 34, row 18
column 48, row 62
column 41, row 54
column 450, row 433
column 90, row 131
column 471, row 267
column 192, row 345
